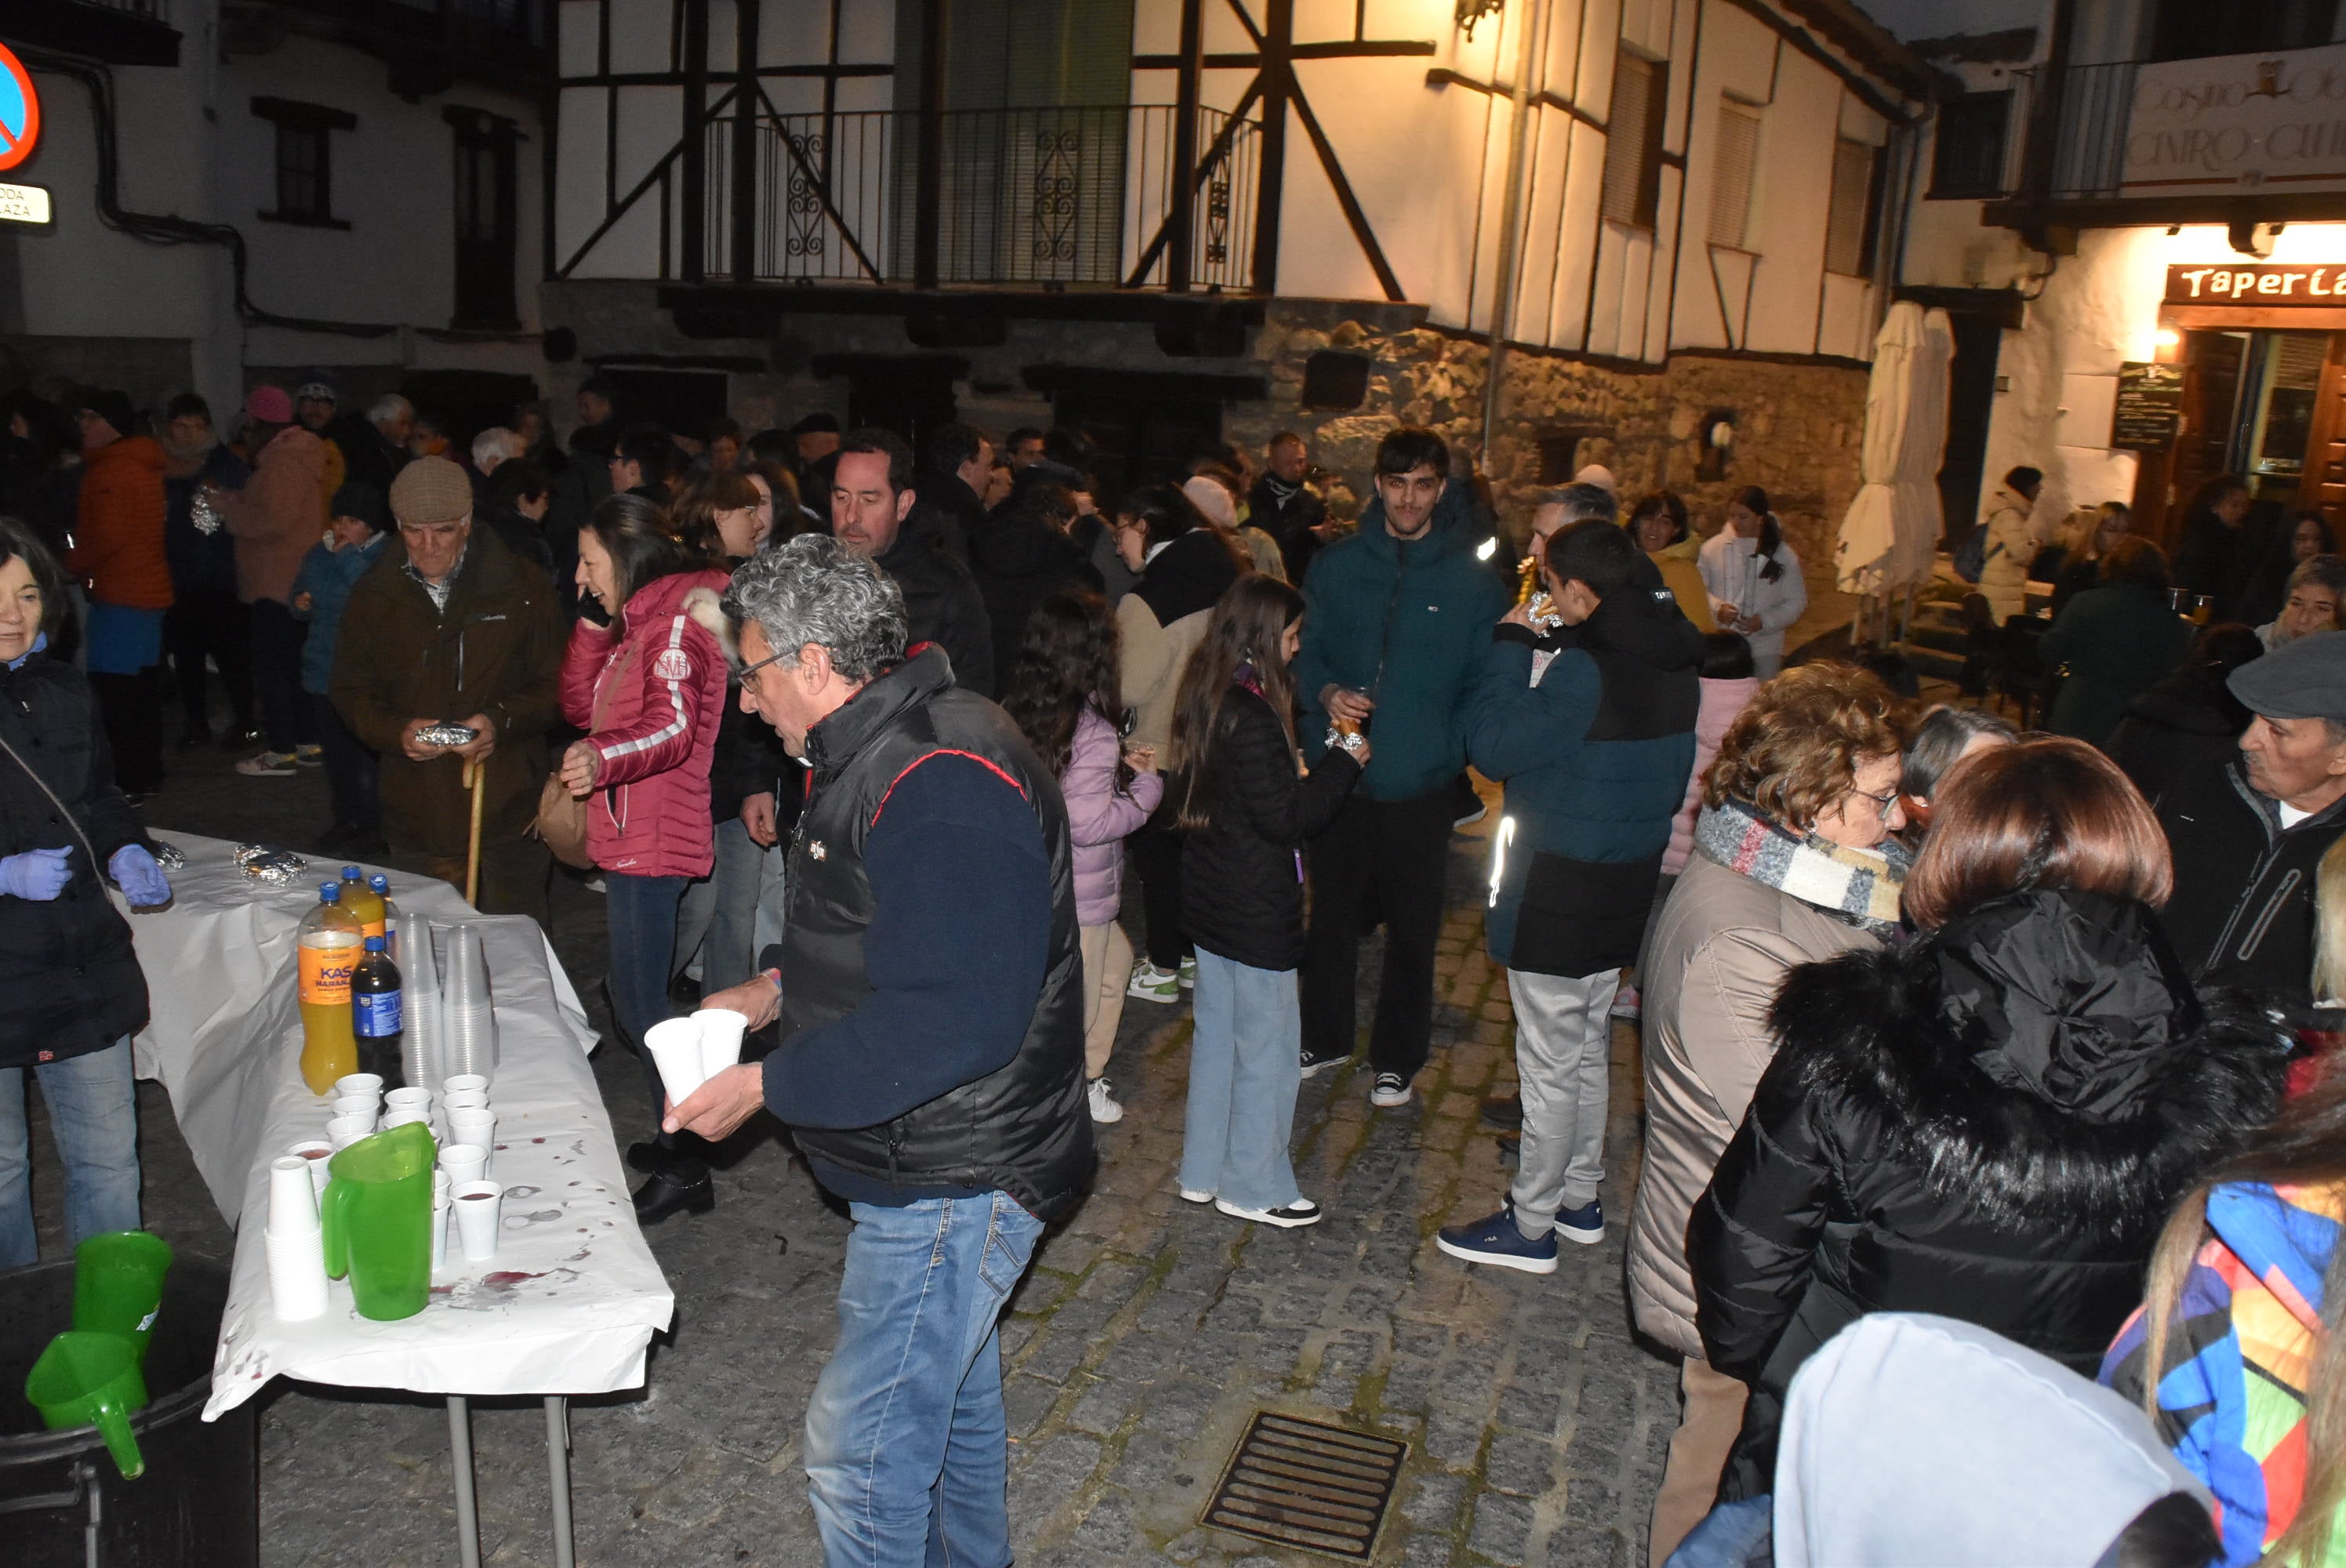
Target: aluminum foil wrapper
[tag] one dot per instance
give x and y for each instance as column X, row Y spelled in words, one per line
column 202, row 513
column 448, row 734
column 274, row 868
column 168, row 856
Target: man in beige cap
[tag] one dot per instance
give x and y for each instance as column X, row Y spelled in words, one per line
column 450, row 627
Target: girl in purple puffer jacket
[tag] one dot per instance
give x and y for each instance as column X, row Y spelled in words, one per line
column 1062, row 694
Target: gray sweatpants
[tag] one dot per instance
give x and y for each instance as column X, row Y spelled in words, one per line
column 1564, row 1049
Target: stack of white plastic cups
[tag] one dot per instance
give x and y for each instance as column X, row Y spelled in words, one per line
column 439, row 1220
column 419, row 978
column 295, row 1247
column 469, row 1044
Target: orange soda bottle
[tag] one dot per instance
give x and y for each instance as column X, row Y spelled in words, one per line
column 363, row 902
column 326, row 950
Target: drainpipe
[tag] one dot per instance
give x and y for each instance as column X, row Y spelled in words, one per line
column 1532, row 58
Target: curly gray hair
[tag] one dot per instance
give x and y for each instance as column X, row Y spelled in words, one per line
column 814, row 589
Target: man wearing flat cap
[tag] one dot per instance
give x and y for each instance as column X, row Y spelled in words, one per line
column 2249, row 835
column 450, row 627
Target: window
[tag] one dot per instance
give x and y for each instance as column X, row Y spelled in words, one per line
column 2193, row 29
column 1848, row 222
column 1967, row 155
column 1633, row 145
column 304, row 178
column 487, row 230
column 1735, row 162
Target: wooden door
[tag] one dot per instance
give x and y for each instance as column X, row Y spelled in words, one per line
column 2323, row 484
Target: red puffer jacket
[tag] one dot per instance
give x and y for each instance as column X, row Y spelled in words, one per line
column 658, row 680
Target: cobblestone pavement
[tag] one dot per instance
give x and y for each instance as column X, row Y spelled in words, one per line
column 1144, row 1338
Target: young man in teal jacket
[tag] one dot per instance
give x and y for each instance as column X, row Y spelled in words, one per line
column 1594, row 742
column 1399, row 614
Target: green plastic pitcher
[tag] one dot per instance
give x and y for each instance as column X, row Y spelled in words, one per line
column 377, row 1217
column 86, row 1380
column 119, row 1284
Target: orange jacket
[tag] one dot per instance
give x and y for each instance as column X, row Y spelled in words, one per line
column 118, row 545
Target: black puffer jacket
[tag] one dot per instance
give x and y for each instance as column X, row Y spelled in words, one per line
column 2184, row 724
column 1019, row 559
column 1991, row 1125
column 941, row 604
column 2242, row 912
column 1241, row 876
column 72, row 983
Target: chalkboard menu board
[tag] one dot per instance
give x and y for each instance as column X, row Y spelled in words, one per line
column 2149, row 406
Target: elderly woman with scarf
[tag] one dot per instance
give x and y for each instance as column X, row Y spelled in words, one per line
column 1992, row 1121
column 1793, row 859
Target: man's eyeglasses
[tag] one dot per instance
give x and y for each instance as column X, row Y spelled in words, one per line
column 741, row 677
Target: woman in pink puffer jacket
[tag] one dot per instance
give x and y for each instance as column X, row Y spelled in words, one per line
column 1061, row 691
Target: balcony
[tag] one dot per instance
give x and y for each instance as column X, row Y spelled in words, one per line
column 2234, row 139
column 1053, row 198
column 114, row 32
column 429, row 44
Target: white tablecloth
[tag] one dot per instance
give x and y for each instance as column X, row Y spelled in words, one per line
column 573, row 1297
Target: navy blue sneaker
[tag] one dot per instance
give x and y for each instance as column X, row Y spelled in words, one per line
column 1497, row 1240
column 1585, row 1225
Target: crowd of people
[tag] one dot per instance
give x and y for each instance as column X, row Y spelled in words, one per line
column 1962, row 1046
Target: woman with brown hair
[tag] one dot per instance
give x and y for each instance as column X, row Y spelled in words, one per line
column 2236, row 1354
column 1793, row 859
column 1991, row 1122
column 722, row 516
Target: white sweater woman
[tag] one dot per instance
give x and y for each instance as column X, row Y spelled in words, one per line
column 1754, row 579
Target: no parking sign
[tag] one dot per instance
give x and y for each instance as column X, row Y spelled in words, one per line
column 20, row 111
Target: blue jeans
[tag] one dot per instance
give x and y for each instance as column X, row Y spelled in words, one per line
column 93, row 1117
column 716, row 929
column 1245, row 1064
column 907, row 1448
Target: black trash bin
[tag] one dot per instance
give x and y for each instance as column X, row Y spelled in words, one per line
column 199, row 1500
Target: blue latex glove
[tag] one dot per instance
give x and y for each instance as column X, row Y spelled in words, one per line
column 39, row 875
column 141, row 879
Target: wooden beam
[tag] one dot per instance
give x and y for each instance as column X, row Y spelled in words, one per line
column 929, row 165
column 746, row 94
column 1180, row 217
column 693, row 263
column 1353, row 215
column 1805, row 43
column 1214, row 155
column 676, row 78
column 1338, row 49
column 1276, row 80
column 818, row 182
column 1546, row 98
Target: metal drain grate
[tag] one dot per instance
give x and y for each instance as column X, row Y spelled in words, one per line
column 1309, row 1484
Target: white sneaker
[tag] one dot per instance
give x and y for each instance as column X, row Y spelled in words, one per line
column 1188, row 973
column 268, row 765
column 1104, row 1106
column 1302, row 1211
column 1390, row 1090
column 1151, row 983
column 1191, row 1194
column 309, row 756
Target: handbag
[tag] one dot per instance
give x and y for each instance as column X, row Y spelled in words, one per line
column 561, row 823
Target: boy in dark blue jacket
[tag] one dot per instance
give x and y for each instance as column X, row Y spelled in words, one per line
column 1399, row 614
column 1594, row 742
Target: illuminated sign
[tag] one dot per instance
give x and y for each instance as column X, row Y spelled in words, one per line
column 20, row 111
column 2258, row 283
column 25, row 204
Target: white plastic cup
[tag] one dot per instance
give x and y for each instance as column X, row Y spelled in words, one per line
column 674, row 1046
column 315, row 1153
column 365, row 1105
column 460, row 1083
column 478, row 1204
column 408, row 1099
column 463, row 1162
column 478, row 1128
column 368, row 1084
column 721, row 1029
column 345, row 1131
column 292, row 1201
column 440, row 1189
column 297, row 1274
column 464, row 1100
column 402, row 1117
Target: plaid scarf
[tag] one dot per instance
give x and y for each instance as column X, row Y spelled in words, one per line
column 1859, row 886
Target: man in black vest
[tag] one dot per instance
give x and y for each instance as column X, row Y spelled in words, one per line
column 929, row 985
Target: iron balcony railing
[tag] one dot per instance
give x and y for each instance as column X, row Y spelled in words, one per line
column 1028, row 197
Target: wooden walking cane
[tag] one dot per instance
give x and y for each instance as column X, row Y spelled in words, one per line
column 475, row 774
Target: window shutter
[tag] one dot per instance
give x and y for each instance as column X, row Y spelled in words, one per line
column 1845, row 221
column 1734, row 161
column 1629, row 130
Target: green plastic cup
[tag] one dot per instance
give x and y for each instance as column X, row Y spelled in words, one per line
column 119, row 1284
column 88, row 1380
column 377, row 1219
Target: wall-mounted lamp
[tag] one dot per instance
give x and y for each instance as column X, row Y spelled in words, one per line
column 1472, row 11
column 1717, row 439
column 2168, row 338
